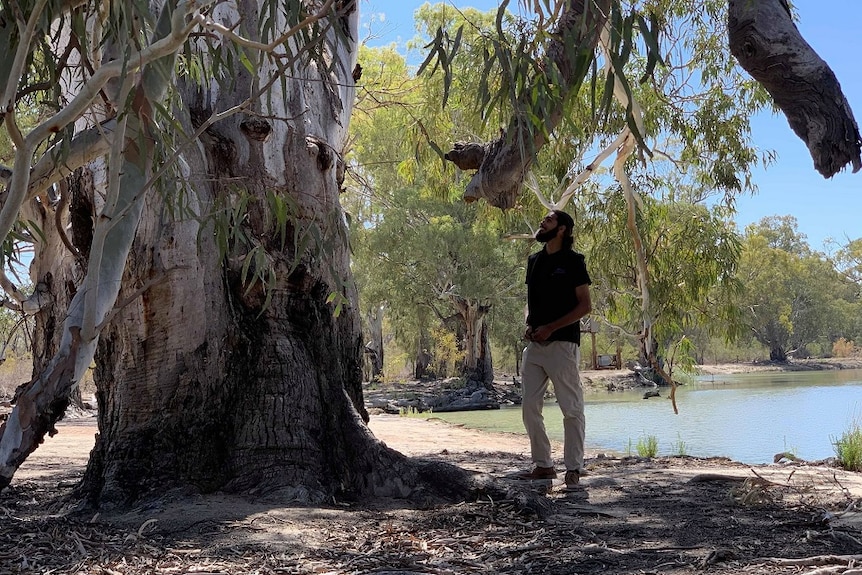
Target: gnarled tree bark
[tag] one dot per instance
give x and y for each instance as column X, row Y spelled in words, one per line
column 769, row 46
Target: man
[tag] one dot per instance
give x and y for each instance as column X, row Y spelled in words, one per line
column 558, row 296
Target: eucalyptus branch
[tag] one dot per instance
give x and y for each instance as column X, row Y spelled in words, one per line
column 16, row 71
column 620, row 174
column 16, row 190
column 94, row 275
column 228, row 32
column 22, row 322
column 588, row 172
column 19, row 182
column 58, row 219
column 11, row 289
column 90, row 90
column 627, row 100
column 83, row 148
column 533, row 185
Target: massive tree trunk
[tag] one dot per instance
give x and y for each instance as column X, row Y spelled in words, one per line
column 769, row 46
column 202, row 381
column 228, row 365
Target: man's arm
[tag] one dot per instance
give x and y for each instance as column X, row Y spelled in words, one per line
column 585, row 305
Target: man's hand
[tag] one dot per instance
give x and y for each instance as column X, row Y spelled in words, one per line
column 541, row 333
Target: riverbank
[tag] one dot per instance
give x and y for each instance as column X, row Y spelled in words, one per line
column 794, row 365
column 619, row 379
column 405, row 395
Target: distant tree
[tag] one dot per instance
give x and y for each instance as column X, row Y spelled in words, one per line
column 691, row 253
column 781, row 233
column 787, row 298
column 440, row 261
column 402, row 209
column 848, row 261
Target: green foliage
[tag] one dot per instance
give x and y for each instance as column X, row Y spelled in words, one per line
column 848, row 261
column 848, row 448
column 647, row 446
column 423, row 256
column 278, row 245
column 15, row 332
column 445, row 352
column 417, row 250
column 691, row 254
column 411, row 412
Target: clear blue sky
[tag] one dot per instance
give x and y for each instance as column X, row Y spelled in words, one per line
column 791, row 186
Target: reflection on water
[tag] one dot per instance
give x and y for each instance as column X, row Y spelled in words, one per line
column 747, row 417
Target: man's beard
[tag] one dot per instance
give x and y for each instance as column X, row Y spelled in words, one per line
column 547, row 236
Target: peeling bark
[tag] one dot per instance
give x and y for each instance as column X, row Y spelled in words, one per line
column 768, row 45
column 503, row 163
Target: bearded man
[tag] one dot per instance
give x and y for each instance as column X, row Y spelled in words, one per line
column 558, row 296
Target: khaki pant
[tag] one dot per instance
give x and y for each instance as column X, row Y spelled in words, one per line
column 557, row 361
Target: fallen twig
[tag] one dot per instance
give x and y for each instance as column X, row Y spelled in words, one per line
column 815, row 560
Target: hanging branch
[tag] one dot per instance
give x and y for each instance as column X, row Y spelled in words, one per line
column 768, row 45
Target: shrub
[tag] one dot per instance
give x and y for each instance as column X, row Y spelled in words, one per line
column 843, row 348
column 679, row 447
column 647, row 446
column 848, row 448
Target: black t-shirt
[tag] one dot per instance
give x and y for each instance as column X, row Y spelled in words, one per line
column 551, row 283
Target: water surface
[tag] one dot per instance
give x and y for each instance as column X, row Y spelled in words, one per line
column 747, row 417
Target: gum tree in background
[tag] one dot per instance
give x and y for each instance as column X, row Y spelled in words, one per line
column 792, row 296
column 435, row 265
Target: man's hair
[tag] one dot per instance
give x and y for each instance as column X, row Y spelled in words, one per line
column 564, row 219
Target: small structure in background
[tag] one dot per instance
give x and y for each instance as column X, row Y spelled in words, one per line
column 600, row 361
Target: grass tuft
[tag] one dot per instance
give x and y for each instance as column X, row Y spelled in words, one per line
column 647, row 446
column 848, row 448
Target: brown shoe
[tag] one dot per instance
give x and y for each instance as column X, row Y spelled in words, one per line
column 573, row 478
column 539, row 473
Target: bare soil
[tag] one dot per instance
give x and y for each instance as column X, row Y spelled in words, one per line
column 666, row 515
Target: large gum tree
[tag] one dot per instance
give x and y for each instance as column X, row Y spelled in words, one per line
column 183, row 199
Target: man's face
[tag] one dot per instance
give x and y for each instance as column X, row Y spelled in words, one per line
column 548, row 228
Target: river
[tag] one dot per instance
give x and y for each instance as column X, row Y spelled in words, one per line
column 746, row 417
